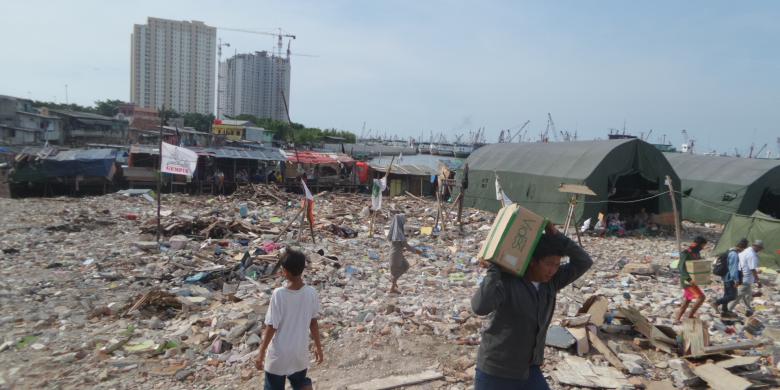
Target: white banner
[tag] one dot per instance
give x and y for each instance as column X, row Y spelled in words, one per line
column 177, row 160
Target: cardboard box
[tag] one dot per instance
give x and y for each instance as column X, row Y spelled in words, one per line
column 700, row 271
column 513, row 238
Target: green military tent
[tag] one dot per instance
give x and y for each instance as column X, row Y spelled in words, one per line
column 758, row 226
column 622, row 170
column 714, row 187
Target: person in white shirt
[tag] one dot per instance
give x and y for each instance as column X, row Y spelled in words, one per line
column 748, row 267
column 290, row 321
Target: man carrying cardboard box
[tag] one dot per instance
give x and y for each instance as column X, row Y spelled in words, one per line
column 512, row 347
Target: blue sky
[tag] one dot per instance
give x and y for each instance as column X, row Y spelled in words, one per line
column 412, row 67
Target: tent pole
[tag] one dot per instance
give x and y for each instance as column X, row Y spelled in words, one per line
column 159, row 172
column 677, row 227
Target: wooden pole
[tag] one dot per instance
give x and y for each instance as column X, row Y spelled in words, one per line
column 159, row 172
column 463, row 186
column 677, row 227
column 289, row 224
column 373, row 212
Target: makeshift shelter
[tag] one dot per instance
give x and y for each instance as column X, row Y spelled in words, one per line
column 49, row 171
column 758, row 226
column 630, row 171
column 237, row 165
column 321, row 169
column 415, row 179
column 714, row 187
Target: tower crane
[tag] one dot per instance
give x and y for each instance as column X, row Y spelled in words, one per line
column 280, row 35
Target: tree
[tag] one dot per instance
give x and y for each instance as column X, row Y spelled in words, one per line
column 200, row 122
column 108, row 107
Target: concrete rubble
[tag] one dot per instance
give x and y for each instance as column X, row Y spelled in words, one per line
column 90, row 299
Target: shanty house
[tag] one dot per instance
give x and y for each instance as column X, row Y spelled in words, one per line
column 626, row 175
column 49, row 171
column 714, row 187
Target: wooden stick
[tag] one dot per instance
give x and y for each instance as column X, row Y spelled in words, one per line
column 288, row 225
column 677, row 227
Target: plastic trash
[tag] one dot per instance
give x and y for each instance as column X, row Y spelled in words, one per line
column 243, row 210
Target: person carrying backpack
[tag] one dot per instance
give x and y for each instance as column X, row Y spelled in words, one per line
column 728, row 270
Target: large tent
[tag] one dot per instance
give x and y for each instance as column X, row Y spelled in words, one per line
column 758, row 226
column 715, row 187
column 625, row 170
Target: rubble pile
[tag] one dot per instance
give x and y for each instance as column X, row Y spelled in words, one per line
column 91, row 299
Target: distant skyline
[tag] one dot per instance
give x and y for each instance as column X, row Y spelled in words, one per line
column 408, row 68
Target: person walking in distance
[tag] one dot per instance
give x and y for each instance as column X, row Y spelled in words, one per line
column 691, row 292
column 730, row 279
column 748, row 267
column 398, row 263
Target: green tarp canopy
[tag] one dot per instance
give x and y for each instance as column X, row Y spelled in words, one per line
column 531, row 173
column 715, row 187
column 758, row 226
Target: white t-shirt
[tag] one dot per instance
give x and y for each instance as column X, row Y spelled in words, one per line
column 748, row 261
column 290, row 313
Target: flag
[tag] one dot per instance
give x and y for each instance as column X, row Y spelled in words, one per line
column 400, row 157
column 308, row 203
column 376, row 192
column 501, row 195
column 178, row 160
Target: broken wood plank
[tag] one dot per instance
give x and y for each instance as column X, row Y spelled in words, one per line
column 597, row 306
column 397, row 381
column 573, row 322
column 661, row 385
column 734, row 346
column 604, row 349
column 642, row 325
column 577, row 371
column 738, row 361
column 581, row 335
column 695, row 335
column 719, row 378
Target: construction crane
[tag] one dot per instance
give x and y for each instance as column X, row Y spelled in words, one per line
column 280, row 35
column 736, row 153
column 510, row 138
column 550, row 127
column 761, row 150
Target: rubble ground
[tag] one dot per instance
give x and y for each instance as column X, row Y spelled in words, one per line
column 90, row 299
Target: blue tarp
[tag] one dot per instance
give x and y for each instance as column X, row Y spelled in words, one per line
column 86, row 163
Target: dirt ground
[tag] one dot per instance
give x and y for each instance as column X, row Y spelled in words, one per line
column 71, row 268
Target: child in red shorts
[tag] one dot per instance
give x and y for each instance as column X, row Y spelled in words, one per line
column 691, row 292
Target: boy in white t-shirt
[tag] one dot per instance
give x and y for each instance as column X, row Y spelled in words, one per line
column 290, row 321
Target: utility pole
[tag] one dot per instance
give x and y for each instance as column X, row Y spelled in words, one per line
column 159, row 172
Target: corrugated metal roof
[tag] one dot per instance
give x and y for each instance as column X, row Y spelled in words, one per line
column 405, row 169
column 264, row 154
column 309, row 157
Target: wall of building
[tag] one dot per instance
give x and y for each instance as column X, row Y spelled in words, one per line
column 172, row 64
column 257, row 84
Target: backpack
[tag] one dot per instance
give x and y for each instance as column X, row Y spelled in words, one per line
column 721, row 265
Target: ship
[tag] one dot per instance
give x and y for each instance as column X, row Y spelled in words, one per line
column 462, row 150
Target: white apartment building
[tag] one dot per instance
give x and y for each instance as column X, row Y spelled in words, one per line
column 172, row 64
column 257, row 84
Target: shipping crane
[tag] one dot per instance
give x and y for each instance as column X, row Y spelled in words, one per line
column 509, row 138
column 761, row 150
column 550, row 127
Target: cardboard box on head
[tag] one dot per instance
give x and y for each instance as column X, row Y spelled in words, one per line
column 513, row 238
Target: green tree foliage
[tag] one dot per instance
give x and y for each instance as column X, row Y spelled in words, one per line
column 62, row 106
column 200, row 122
column 296, row 132
column 107, row 107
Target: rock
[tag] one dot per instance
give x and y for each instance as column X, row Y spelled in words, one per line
column 178, row 242
column 146, row 245
column 183, row 374
column 253, row 340
column 248, row 373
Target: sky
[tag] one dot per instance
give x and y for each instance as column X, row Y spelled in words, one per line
column 411, row 68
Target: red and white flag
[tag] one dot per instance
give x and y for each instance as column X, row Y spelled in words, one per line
column 308, row 203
